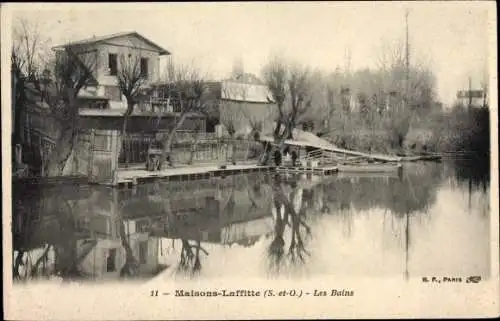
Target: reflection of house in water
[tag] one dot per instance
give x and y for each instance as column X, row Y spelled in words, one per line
column 108, row 257
column 96, row 232
column 246, row 233
column 144, row 248
column 82, row 232
column 208, row 213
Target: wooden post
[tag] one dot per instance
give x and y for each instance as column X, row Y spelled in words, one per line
column 115, row 214
column 91, row 154
column 470, row 93
column 114, row 155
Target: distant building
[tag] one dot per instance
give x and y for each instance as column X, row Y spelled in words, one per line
column 476, row 98
column 243, row 101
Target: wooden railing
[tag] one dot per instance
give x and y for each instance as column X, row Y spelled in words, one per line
column 205, row 148
column 135, row 148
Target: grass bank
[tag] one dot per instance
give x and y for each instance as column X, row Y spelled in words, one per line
column 456, row 131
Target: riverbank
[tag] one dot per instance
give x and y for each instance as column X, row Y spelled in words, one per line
column 454, row 131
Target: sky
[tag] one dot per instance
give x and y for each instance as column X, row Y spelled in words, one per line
column 452, row 38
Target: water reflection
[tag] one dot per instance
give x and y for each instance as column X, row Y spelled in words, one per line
column 289, row 213
column 262, row 224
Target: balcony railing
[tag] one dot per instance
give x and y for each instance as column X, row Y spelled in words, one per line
column 163, row 105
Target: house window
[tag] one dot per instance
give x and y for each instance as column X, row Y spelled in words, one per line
column 144, row 67
column 112, row 64
column 110, row 261
column 143, row 252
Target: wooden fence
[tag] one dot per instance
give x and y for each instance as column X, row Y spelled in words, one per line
column 92, row 154
column 102, row 151
column 205, row 148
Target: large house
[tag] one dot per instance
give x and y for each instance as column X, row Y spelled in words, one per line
column 106, row 57
column 102, row 104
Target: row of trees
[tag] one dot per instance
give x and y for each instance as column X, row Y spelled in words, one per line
column 380, row 104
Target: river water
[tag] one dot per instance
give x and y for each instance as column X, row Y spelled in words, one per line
column 432, row 219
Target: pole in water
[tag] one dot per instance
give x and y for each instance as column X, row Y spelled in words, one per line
column 470, row 92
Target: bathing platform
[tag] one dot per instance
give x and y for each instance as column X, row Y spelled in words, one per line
column 132, row 177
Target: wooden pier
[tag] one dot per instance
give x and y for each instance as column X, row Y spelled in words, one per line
column 130, row 178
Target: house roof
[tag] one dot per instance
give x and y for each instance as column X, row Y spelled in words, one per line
column 91, row 40
column 240, row 92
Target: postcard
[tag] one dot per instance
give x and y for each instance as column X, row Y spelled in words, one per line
column 250, row 160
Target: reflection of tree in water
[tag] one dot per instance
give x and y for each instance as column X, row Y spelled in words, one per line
column 417, row 189
column 60, row 236
column 287, row 216
column 66, row 258
column 473, row 170
column 254, row 192
column 22, row 231
column 190, row 256
column 131, row 266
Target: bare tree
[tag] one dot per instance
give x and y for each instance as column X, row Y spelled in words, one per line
column 401, row 93
column 55, row 81
column 26, row 65
column 72, row 72
column 130, row 78
column 187, row 90
column 289, row 88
